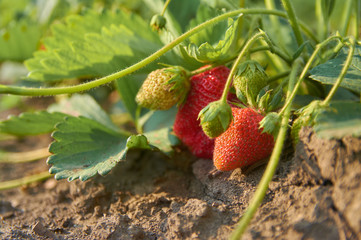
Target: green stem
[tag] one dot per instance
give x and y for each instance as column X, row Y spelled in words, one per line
column 342, row 74
column 236, row 63
column 322, row 21
column 346, row 17
column 165, row 7
column 272, row 165
column 25, row 180
column 305, row 70
column 293, row 21
column 278, row 76
column 22, row 157
column 357, row 19
column 95, row 83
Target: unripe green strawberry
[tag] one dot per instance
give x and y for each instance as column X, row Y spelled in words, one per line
column 249, row 79
column 158, row 22
column 215, row 118
column 163, row 88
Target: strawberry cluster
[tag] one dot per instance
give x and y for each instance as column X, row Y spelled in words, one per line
column 205, row 122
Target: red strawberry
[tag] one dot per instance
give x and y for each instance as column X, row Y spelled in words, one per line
column 243, row 143
column 206, row 87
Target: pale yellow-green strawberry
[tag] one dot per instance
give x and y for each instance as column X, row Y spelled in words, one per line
column 163, row 88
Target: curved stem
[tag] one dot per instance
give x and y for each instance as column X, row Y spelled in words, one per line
column 25, row 180
column 95, row 83
column 342, row 74
column 236, row 63
column 278, row 76
column 305, row 70
column 272, row 165
column 293, row 21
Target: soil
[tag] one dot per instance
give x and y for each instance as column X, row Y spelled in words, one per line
column 315, row 194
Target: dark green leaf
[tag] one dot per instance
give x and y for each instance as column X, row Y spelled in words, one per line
column 339, row 120
column 83, row 148
column 328, row 72
column 31, row 123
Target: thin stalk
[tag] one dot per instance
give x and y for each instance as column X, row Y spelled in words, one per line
column 24, row 181
column 22, row 157
column 272, row 165
column 236, row 63
column 322, row 23
column 165, row 7
column 305, row 70
column 357, row 19
column 293, row 21
column 278, row 76
column 346, row 16
column 107, row 79
column 342, row 74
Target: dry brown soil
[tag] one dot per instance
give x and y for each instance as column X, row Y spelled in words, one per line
column 314, row 195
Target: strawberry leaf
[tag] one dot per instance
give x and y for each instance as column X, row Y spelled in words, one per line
column 31, row 123
column 328, row 72
column 339, row 120
column 94, row 45
column 84, row 147
column 209, row 45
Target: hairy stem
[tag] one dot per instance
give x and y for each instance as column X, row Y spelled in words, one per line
column 305, row 70
column 272, row 165
column 293, row 21
column 343, row 72
column 236, row 63
column 107, row 79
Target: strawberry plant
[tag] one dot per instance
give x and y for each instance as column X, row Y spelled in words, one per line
column 225, row 79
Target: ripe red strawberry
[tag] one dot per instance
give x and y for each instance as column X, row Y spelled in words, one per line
column 243, row 143
column 206, row 87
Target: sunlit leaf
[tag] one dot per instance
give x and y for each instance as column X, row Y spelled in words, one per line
column 328, row 72
column 339, row 120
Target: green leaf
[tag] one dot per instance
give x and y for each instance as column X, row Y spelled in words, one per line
column 328, row 72
column 84, row 147
column 157, row 127
column 339, row 120
column 19, row 40
column 95, row 45
column 213, row 44
column 163, row 139
column 83, row 105
column 31, row 123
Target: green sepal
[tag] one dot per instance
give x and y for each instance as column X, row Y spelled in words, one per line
column 276, row 100
column 180, row 81
column 215, row 118
column 271, row 124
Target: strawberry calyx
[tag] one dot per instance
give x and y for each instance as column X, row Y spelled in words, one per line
column 215, row 118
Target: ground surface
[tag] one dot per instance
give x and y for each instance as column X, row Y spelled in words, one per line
column 314, row 195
